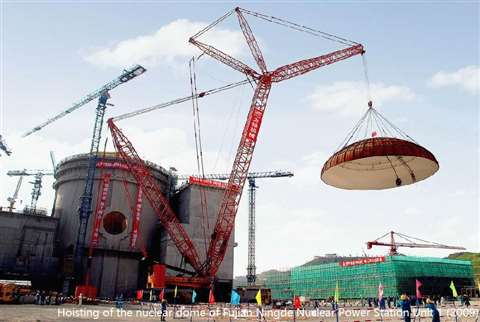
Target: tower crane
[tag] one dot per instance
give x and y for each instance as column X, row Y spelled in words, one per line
column 54, row 161
column 410, row 242
column 37, row 185
column 85, row 207
column 13, row 199
column 4, row 147
column 205, row 272
column 252, row 187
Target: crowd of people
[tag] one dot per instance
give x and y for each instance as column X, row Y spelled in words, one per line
column 49, row 298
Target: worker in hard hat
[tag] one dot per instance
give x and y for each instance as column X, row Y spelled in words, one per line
column 406, row 308
column 435, row 314
column 164, row 310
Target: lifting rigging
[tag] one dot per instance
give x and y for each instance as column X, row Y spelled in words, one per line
column 378, row 155
column 225, row 221
column 410, row 242
column 252, row 187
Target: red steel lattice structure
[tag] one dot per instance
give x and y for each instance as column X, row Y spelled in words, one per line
column 230, row 203
column 152, row 191
column 264, row 79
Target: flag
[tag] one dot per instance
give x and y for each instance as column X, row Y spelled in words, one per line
column 175, row 292
column 162, row 294
column 194, row 295
column 454, row 290
column 296, row 302
column 418, row 284
column 211, row 298
column 380, row 292
column 337, row 294
column 235, row 298
column 259, row 297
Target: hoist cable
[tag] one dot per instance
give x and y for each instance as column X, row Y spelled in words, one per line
column 301, row 28
column 198, row 149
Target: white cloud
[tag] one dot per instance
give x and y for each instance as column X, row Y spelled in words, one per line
column 349, row 98
column 166, row 45
column 466, row 77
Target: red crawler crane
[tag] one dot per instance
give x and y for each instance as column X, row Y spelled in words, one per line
column 229, row 206
column 264, row 79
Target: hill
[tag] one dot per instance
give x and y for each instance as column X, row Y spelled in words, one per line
column 474, row 258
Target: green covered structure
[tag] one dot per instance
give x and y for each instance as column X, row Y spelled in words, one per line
column 360, row 278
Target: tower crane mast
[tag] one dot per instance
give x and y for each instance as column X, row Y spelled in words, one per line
column 85, row 207
column 410, row 242
column 37, row 185
column 252, row 189
column 13, row 199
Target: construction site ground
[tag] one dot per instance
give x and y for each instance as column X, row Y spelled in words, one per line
column 221, row 313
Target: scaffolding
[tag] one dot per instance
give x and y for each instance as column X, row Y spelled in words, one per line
column 357, row 279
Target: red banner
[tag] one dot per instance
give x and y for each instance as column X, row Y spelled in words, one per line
column 362, row 261
column 207, row 182
column 112, row 165
column 100, row 208
column 136, row 218
column 254, row 123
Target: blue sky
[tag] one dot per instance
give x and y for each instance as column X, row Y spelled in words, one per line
column 423, row 66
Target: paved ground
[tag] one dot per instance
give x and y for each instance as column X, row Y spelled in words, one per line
column 68, row 312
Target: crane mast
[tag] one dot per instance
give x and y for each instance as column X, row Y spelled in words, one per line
column 264, row 80
column 251, row 267
column 36, row 191
column 85, row 208
column 13, row 199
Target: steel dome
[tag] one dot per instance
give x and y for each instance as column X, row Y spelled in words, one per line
column 379, row 163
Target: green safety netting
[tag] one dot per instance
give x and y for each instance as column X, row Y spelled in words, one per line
column 397, row 274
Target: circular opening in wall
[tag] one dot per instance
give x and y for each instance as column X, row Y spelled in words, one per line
column 114, row 223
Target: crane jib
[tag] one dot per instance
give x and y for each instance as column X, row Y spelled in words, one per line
column 127, row 75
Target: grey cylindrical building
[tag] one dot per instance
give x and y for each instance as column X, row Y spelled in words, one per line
column 116, row 267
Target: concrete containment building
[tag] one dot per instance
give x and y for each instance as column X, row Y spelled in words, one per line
column 187, row 205
column 117, row 267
